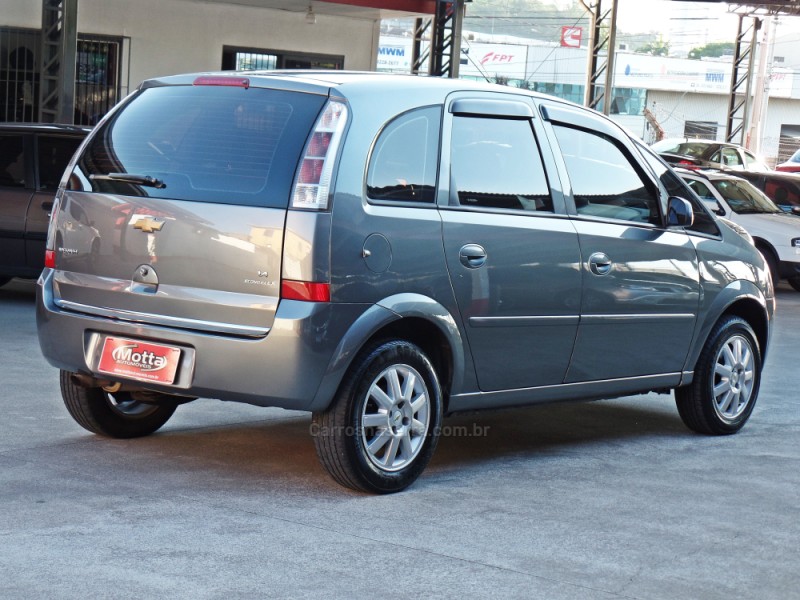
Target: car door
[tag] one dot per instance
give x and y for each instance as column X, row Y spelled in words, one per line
column 640, row 279
column 511, row 251
column 16, row 188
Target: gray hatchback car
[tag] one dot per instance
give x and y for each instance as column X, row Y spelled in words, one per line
column 382, row 251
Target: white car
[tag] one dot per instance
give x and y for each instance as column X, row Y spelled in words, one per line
column 775, row 233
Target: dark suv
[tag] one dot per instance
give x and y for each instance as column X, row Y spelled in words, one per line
column 384, row 250
column 33, row 158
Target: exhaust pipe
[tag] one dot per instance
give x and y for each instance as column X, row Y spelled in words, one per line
column 87, row 381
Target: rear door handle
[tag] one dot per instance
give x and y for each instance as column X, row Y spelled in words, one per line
column 472, row 256
column 600, row 263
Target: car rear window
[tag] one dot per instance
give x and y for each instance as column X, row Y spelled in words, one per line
column 223, row 144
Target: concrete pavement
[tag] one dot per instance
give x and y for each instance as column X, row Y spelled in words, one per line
column 606, row 500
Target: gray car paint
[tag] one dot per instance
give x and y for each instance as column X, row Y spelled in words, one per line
column 301, row 360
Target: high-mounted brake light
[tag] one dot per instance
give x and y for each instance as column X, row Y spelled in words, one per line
column 243, row 82
column 305, row 290
column 313, row 182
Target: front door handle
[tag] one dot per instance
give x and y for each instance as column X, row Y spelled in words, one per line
column 472, row 256
column 600, row 263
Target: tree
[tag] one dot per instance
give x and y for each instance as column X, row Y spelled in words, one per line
column 715, row 50
column 657, row 48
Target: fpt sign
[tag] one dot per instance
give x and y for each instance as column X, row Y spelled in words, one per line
column 487, row 60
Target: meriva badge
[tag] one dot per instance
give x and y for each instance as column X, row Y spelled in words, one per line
column 142, row 361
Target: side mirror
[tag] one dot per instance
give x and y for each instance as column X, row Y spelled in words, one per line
column 679, row 212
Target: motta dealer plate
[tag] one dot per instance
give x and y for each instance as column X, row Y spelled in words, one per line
column 138, row 360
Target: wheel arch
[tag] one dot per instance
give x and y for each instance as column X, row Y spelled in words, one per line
column 742, row 299
column 412, row 317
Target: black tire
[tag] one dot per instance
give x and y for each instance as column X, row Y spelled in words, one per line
column 715, row 404
column 4, row 280
column 366, row 411
column 772, row 265
column 117, row 415
column 795, row 282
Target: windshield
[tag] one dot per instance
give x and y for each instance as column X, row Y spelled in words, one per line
column 743, row 198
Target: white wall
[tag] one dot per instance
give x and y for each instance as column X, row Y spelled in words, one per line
column 181, row 36
column 21, row 13
column 672, row 109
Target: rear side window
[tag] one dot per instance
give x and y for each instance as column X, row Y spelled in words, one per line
column 495, row 163
column 12, row 161
column 605, row 183
column 405, row 158
column 223, row 144
column 54, row 156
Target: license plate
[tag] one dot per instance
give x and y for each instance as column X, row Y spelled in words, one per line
column 142, row 361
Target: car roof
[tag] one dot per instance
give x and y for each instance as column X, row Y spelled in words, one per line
column 774, row 175
column 710, row 174
column 44, row 128
column 346, row 83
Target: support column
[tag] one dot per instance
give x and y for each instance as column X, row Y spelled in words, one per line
column 600, row 69
column 443, row 54
column 743, row 60
column 58, row 56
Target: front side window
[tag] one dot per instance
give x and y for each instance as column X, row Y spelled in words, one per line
column 496, row 164
column 675, row 186
column 403, row 164
column 728, row 157
column 12, row 161
column 605, row 183
column 705, row 194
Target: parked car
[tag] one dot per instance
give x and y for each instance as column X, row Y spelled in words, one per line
column 782, row 188
column 384, row 250
column 696, row 154
column 775, row 233
column 33, row 158
column 792, row 165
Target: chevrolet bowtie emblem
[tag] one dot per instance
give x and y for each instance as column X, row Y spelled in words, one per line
column 149, row 224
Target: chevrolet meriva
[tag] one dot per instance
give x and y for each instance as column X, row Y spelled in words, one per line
column 382, row 251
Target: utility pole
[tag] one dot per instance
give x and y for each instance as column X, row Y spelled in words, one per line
column 755, row 135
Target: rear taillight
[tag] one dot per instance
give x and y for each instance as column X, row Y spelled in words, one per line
column 50, row 249
column 687, row 164
column 305, row 290
column 313, row 182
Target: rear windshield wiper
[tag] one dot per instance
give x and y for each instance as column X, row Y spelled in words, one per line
column 131, row 178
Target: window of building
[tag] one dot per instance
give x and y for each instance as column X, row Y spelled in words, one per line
column 256, row 59
column 19, row 75
column 704, row 130
column 97, row 77
column 405, row 159
column 495, row 163
column 604, row 181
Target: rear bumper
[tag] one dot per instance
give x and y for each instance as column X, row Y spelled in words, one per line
column 283, row 369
